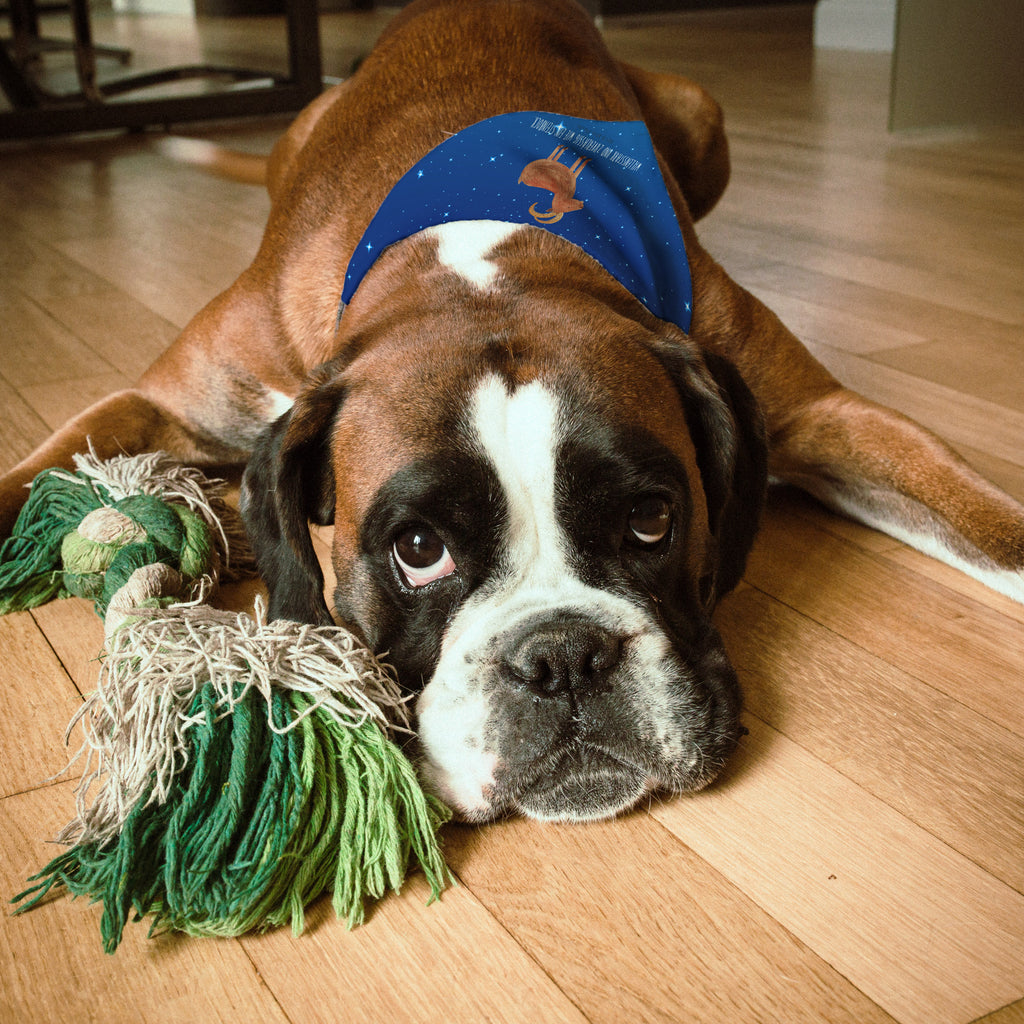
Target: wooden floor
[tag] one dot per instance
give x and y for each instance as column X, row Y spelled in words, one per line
column 864, row 859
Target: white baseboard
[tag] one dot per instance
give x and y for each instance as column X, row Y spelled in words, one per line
column 154, row 6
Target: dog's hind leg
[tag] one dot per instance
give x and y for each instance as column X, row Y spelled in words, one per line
column 881, row 468
column 124, row 422
column 686, row 125
column 194, row 402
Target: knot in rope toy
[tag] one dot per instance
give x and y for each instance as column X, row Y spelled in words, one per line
column 242, row 768
column 86, row 533
column 113, row 542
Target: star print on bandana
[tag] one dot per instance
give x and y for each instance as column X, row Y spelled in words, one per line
column 595, row 183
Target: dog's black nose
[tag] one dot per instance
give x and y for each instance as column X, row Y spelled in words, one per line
column 564, row 655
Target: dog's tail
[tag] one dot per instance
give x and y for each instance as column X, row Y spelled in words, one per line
column 248, row 168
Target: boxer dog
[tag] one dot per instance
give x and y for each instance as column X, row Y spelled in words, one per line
column 544, row 462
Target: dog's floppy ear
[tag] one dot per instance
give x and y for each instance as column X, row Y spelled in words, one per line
column 728, row 434
column 289, row 482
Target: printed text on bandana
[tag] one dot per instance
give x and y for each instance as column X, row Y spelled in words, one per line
column 586, row 143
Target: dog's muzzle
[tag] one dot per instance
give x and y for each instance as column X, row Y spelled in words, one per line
column 567, row 717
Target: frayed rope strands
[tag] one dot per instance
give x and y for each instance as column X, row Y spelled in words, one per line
column 218, row 838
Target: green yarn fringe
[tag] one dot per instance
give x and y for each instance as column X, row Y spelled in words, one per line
column 261, row 823
column 257, row 797
column 243, row 767
column 30, row 561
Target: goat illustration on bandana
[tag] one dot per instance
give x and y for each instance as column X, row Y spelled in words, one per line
column 558, row 179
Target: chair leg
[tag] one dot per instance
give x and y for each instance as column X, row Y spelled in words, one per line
column 85, row 52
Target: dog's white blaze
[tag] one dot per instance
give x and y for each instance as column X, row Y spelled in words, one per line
column 519, row 434
column 465, row 247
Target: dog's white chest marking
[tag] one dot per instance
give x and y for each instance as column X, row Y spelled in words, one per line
column 465, row 247
column 277, row 404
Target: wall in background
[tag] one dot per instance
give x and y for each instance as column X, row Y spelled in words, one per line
column 958, row 63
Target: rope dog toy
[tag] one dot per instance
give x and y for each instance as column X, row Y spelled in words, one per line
column 241, row 768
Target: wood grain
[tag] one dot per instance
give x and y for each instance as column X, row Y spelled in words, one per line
column 801, row 678
column 23, row 428
column 153, row 980
column 37, row 700
column 1012, row 1014
column 411, row 962
column 960, row 418
column 634, row 926
column 975, row 658
column 84, row 303
column 75, row 634
column 865, row 889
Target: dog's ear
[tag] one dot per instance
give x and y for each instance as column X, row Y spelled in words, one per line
column 288, row 483
column 728, row 433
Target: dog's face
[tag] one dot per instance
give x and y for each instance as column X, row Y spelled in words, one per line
column 534, row 535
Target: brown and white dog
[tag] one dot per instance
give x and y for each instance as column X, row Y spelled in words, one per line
column 538, row 488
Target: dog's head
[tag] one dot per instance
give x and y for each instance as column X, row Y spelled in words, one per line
column 536, row 535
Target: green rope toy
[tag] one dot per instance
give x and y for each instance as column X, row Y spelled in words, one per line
column 243, row 767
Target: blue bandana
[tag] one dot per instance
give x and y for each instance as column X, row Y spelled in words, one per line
column 594, row 183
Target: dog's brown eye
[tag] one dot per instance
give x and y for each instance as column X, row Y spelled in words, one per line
column 649, row 521
column 422, row 556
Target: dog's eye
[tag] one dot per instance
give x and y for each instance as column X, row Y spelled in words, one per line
column 649, row 521
column 422, row 556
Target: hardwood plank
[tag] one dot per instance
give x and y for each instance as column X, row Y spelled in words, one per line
column 953, row 579
column 38, row 349
column 820, row 322
column 975, row 657
column 1004, row 474
column 160, row 272
column 37, row 700
column 960, row 228
column 411, row 962
column 83, row 303
column 945, row 768
column 879, row 308
column 864, row 888
column 79, row 189
column 960, row 418
column 984, row 181
column 57, row 403
column 23, row 428
column 993, row 372
column 861, row 206
column 790, row 501
column 54, row 964
column 1012, row 1014
column 75, row 634
column 976, row 290
column 632, row 926
column 140, row 227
